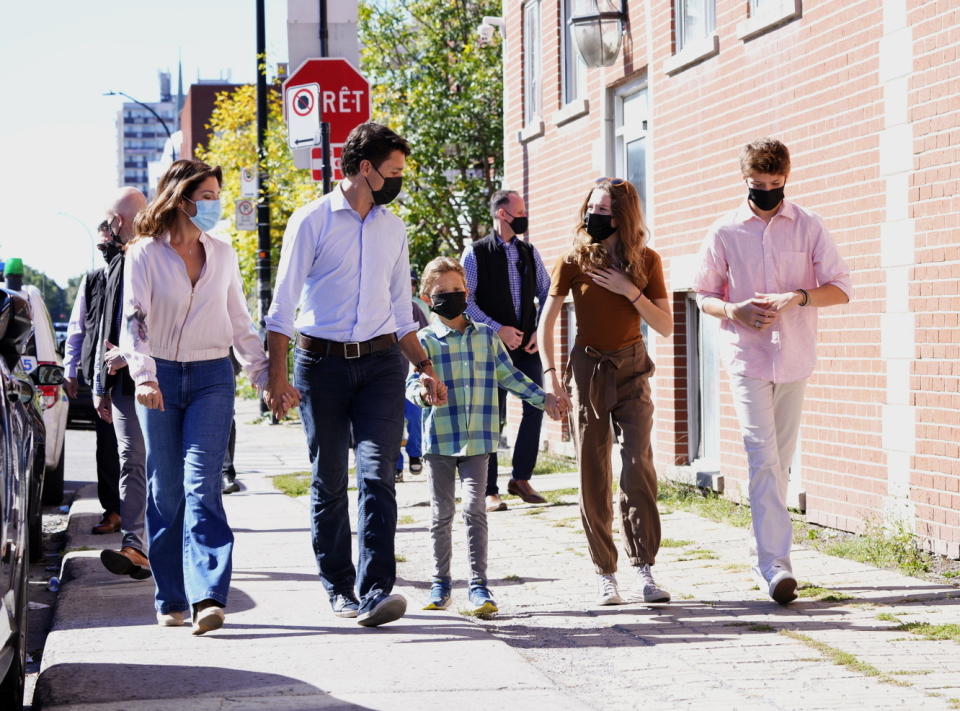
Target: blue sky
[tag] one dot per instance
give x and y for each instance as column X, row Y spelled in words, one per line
column 57, row 129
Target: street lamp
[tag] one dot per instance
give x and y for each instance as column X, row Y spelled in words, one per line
column 598, row 31
column 150, row 109
column 93, row 240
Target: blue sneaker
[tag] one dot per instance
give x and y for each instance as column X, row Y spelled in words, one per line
column 381, row 608
column 344, row 605
column 481, row 600
column 439, row 595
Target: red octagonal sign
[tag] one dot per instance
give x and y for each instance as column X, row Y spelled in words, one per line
column 344, row 100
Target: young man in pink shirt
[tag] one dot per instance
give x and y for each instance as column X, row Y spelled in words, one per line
column 765, row 269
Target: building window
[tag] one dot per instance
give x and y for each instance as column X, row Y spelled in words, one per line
column 573, row 68
column 531, row 61
column 703, row 389
column 631, row 112
column 694, row 20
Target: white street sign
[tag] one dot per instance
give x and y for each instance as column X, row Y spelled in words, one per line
column 246, row 215
column 248, row 183
column 302, row 110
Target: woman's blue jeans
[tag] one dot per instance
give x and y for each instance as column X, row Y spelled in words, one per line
column 191, row 544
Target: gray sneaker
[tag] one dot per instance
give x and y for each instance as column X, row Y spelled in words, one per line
column 651, row 591
column 607, row 591
column 344, row 605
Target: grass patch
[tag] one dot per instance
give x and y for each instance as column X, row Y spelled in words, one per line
column 698, row 554
column 896, row 548
column 478, row 615
column 533, row 512
column 935, row 632
column 296, row 484
column 822, row 594
column 406, row 520
column 737, row 567
column 843, row 659
column 674, row 543
column 548, row 463
column 952, row 574
column 887, row 617
column 703, row 503
column 513, row 578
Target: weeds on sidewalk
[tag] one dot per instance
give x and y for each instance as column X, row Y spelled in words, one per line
column 707, row 504
column 298, row 483
column 924, row 629
column 843, row 659
column 821, row 594
column 674, row 543
column 548, row 463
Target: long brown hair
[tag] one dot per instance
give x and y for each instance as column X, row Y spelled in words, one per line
column 631, row 233
column 180, row 180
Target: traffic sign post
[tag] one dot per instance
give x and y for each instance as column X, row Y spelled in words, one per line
column 246, row 217
column 340, row 103
column 248, row 183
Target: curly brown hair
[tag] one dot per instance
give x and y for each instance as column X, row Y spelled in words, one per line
column 632, row 235
column 179, row 182
column 435, row 267
column 765, row 155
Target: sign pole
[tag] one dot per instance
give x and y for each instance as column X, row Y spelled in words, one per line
column 264, row 293
column 325, row 127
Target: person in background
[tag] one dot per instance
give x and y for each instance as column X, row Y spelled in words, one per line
column 80, row 351
column 504, row 276
column 616, row 281
column 766, row 269
column 113, row 396
column 184, row 307
column 412, row 414
column 473, row 363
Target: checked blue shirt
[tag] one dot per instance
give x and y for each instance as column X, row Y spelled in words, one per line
column 472, row 365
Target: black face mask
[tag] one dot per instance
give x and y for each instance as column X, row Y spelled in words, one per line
column 109, row 250
column 449, row 304
column 391, row 188
column 598, row 226
column 518, row 224
column 766, row 199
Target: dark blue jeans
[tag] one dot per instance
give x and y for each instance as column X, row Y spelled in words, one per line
column 528, row 436
column 191, row 544
column 366, row 394
column 414, row 417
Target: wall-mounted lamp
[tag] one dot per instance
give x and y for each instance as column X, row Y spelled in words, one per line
column 487, row 28
column 598, row 30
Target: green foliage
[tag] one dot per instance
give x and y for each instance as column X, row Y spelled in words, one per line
column 884, row 548
column 548, row 463
column 820, row 593
column 233, row 146
column 433, row 84
column 53, row 294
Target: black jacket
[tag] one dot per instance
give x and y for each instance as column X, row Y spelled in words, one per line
column 493, row 285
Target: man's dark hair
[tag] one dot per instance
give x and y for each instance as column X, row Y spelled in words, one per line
column 372, row 142
column 499, row 199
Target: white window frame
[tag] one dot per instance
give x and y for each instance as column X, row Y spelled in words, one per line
column 681, row 41
column 703, row 446
column 532, row 63
column 570, row 60
column 622, row 135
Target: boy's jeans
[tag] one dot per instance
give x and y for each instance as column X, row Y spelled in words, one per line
column 769, row 415
column 367, row 394
column 191, row 543
column 442, row 478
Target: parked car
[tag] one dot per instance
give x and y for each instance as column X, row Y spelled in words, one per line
column 41, row 349
column 81, row 414
column 22, row 446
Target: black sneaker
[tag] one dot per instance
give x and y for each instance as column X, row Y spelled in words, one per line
column 383, row 609
column 398, row 476
column 344, row 605
column 230, row 486
column 416, row 465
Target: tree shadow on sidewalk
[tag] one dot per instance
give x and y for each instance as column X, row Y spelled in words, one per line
column 170, row 687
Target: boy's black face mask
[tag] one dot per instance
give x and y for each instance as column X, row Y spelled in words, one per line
column 766, row 199
column 449, row 304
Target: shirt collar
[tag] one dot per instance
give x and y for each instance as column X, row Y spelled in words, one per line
column 744, row 214
column 338, row 201
column 502, row 242
column 442, row 330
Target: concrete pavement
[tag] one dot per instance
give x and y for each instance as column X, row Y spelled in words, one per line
column 719, row 644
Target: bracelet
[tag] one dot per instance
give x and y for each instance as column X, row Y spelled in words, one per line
column 423, row 364
column 549, row 369
column 725, row 314
column 804, row 294
column 634, row 299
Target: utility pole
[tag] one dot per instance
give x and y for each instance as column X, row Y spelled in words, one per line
column 264, row 292
column 324, row 126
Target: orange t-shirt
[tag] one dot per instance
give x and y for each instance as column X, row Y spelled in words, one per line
column 605, row 320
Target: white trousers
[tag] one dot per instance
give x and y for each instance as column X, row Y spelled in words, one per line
column 769, row 415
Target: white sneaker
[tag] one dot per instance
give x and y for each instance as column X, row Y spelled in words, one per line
column 170, row 619
column 609, row 594
column 208, row 619
column 651, row 591
column 783, row 586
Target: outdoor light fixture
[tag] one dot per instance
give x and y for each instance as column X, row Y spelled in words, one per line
column 598, row 30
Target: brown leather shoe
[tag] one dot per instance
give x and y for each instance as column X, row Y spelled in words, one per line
column 495, row 503
column 110, row 523
column 522, row 488
column 126, row 561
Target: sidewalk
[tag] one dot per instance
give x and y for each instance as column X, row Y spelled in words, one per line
column 720, row 644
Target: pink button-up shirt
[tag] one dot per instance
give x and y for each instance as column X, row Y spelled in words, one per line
column 741, row 256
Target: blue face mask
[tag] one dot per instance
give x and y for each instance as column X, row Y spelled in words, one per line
column 208, row 214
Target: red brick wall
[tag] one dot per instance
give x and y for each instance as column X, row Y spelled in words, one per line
column 814, row 83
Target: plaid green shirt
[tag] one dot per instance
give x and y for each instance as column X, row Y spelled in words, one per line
column 472, row 365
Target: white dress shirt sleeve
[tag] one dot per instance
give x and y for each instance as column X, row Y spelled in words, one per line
column 74, row 343
column 297, row 255
column 246, row 341
column 400, row 292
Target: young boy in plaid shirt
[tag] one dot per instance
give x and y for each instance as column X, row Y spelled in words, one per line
column 459, row 436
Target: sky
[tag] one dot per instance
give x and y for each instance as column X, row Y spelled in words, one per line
column 58, row 131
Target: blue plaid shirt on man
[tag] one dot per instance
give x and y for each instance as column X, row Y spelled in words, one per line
column 472, row 365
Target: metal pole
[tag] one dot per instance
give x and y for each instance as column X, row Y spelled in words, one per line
column 150, row 109
column 264, row 293
column 325, row 127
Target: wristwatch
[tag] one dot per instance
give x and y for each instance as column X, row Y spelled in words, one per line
column 423, row 364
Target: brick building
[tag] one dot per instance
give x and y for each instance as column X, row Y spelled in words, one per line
column 866, row 94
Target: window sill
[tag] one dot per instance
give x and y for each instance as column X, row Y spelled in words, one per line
column 571, row 112
column 532, row 130
column 777, row 15
column 693, row 54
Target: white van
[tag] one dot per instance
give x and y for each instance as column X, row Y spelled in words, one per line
column 42, row 348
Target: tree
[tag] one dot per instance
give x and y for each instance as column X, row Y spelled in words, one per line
column 436, row 86
column 233, row 146
column 53, row 294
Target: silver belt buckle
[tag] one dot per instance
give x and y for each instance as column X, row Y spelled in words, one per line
column 346, row 350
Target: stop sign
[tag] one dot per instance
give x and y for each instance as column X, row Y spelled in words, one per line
column 343, row 99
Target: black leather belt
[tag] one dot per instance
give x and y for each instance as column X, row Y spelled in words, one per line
column 353, row 349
